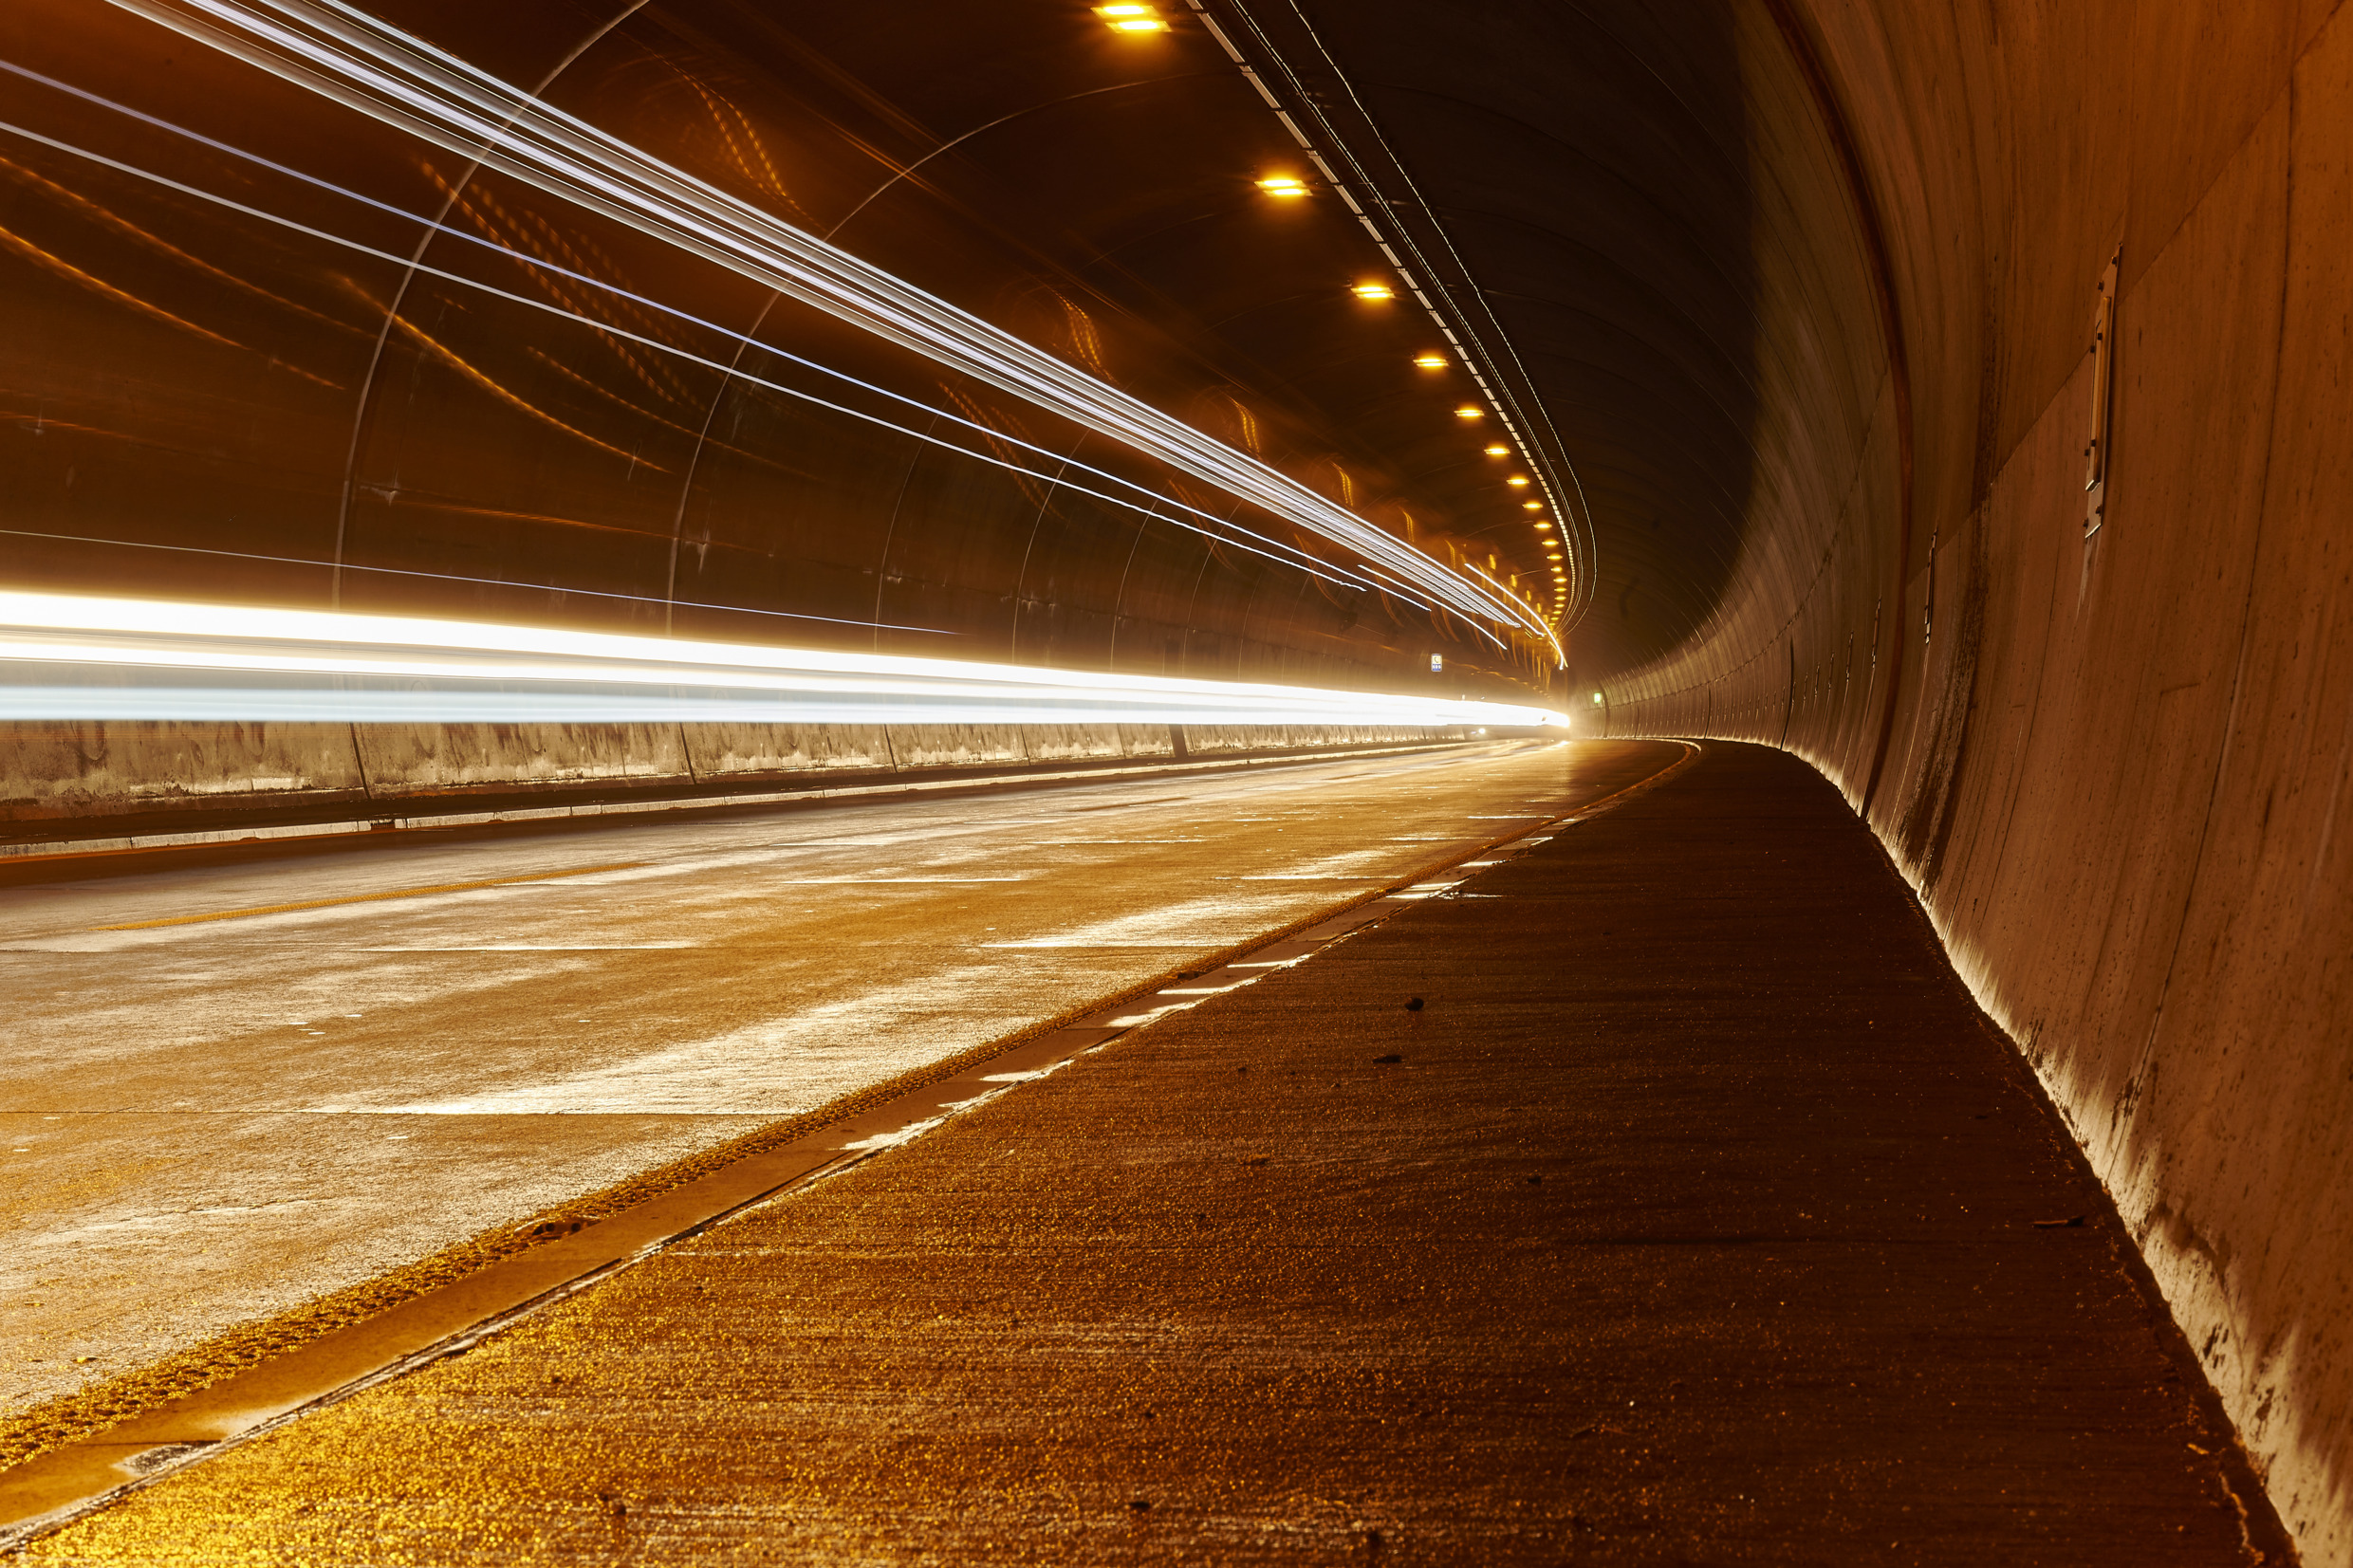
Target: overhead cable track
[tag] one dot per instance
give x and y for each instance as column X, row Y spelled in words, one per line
column 1486, row 352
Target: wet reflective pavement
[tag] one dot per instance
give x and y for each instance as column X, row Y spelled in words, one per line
column 227, row 1091
column 1695, row 1215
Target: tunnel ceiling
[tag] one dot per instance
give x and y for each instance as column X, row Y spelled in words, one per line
column 1578, row 171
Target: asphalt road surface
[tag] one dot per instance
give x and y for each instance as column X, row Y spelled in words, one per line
column 232, row 1089
column 1696, row 1215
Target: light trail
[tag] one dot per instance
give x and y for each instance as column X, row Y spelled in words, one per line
column 1224, row 526
column 345, row 55
column 1223, row 529
column 483, row 582
column 1222, row 532
column 73, row 657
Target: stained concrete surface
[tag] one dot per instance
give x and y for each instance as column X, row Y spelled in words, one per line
column 2116, row 766
column 209, row 1119
column 1697, row 1216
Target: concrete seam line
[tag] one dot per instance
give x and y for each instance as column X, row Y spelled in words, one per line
column 87, row 1417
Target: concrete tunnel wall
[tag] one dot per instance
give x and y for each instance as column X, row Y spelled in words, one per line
column 1808, row 285
column 71, row 785
column 2113, row 766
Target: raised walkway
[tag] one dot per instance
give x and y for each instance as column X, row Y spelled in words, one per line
column 1659, row 1196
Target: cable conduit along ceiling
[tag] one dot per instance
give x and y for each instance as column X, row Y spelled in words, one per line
column 1488, row 350
column 345, row 55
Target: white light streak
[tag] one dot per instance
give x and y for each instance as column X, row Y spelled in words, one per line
column 73, row 657
column 1160, row 507
column 343, row 54
column 1222, row 529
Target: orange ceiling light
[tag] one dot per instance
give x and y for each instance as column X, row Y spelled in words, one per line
column 1282, row 185
column 1469, row 411
column 1518, row 481
column 1499, row 450
column 1531, row 505
column 1373, row 291
column 1431, row 361
column 1131, row 18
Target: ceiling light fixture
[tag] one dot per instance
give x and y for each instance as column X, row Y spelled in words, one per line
column 1282, row 185
column 1518, row 481
column 1531, row 505
column 1130, row 18
column 1469, row 411
column 1373, row 291
column 1432, row 361
column 1499, row 450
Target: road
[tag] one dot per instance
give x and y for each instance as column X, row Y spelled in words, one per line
column 230, row 1090
column 1696, row 1215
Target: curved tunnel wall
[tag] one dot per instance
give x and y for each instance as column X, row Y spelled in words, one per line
column 1806, row 288
column 2114, row 767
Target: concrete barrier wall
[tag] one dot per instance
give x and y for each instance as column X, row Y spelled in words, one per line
column 2116, row 767
column 93, row 780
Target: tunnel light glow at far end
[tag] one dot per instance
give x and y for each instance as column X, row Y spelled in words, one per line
column 67, row 657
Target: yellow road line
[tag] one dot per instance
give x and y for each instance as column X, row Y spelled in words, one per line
column 368, row 897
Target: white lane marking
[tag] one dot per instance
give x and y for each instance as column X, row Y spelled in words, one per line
column 407, row 907
column 908, row 1133
column 1090, row 843
column 1196, row 923
column 1171, row 945
column 776, row 1066
column 870, row 882
column 1298, row 876
column 535, row 947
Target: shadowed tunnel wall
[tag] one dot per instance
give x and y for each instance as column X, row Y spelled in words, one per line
column 2115, row 766
column 1805, row 288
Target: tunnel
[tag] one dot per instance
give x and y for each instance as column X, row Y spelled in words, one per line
column 715, row 715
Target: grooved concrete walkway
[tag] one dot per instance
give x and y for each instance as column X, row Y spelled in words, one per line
column 1692, row 1218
